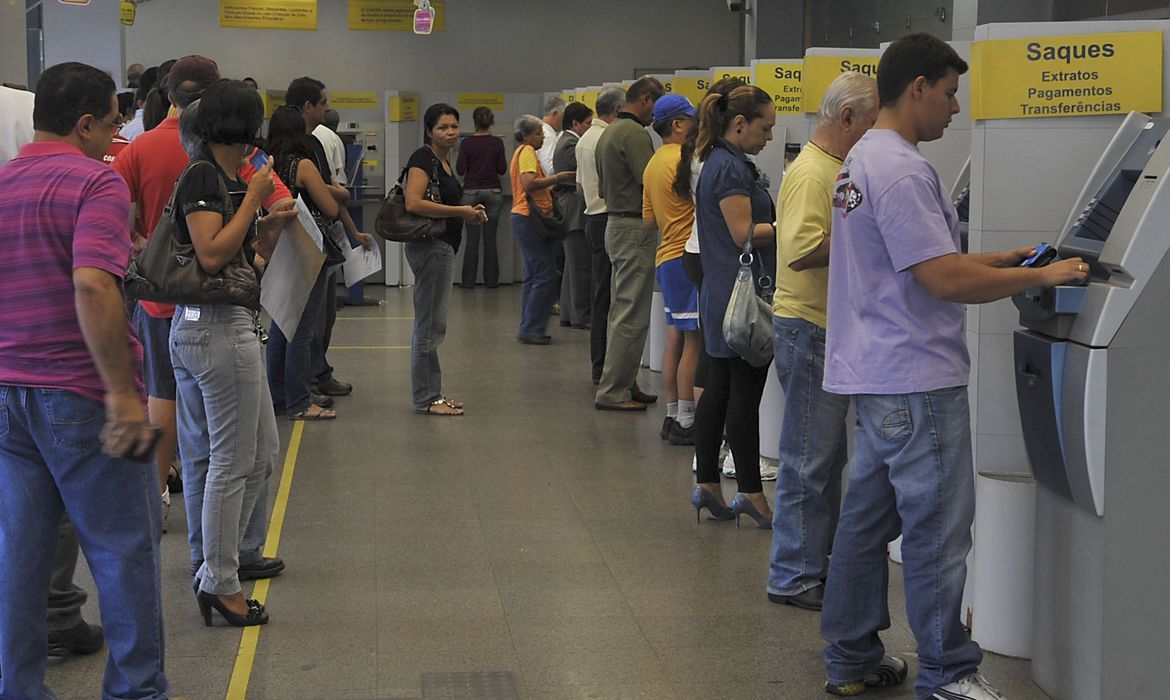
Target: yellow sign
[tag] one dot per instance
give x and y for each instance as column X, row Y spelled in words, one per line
column 272, row 100
column 781, row 80
column 466, row 102
column 691, row 87
column 268, row 14
column 128, row 10
column 353, row 100
column 720, row 72
column 402, row 108
column 390, row 15
column 1067, row 76
column 588, row 97
column 819, row 71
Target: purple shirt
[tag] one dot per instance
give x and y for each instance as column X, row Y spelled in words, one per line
column 481, row 162
column 59, row 211
column 887, row 334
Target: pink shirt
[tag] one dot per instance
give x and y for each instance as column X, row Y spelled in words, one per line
column 59, row 211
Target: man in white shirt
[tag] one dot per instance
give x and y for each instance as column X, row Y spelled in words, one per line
column 554, row 117
column 326, row 133
column 609, row 102
column 16, row 128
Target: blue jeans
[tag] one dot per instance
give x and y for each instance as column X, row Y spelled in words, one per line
column 433, row 264
column 912, row 474
column 227, row 438
column 289, row 362
column 50, row 462
column 540, row 277
column 813, row 453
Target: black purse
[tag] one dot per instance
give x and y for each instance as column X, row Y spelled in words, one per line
column 395, row 223
column 551, row 226
column 168, row 270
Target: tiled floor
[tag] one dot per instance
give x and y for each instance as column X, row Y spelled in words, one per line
column 534, row 535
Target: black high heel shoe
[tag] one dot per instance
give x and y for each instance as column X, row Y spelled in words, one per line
column 256, row 615
column 252, row 602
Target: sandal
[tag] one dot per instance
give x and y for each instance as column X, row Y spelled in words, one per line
column 452, row 402
column 319, row 414
column 444, row 406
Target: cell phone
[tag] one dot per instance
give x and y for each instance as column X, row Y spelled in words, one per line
column 1044, row 254
column 136, row 453
column 259, row 158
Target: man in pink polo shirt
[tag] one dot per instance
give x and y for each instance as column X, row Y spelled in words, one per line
column 73, row 428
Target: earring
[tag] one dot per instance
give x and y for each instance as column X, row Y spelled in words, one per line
column 738, row 130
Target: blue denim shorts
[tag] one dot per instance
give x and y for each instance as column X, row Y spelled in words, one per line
column 679, row 294
column 159, row 373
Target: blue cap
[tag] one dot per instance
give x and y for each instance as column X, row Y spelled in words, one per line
column 671, row 107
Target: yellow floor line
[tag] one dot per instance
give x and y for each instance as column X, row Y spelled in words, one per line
column 246, row 656
column 369, row 347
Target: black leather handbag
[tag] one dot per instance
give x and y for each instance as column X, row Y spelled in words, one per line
column 168, row 270
column 395, row 223
column 551, row 226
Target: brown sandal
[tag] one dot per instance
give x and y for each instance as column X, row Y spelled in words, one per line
column 441, row 403
column 321, row 414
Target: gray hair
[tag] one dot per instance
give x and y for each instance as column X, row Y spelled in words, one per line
column 610, row 100
column 192, row 144
column 554, row 104
column 525, row 125
column 850, row 89
column 332, row 119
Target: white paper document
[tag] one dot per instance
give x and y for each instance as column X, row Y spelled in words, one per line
column 361, row 263
column 289, row 278
column 306, row 218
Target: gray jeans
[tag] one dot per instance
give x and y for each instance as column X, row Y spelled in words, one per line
column 577, row 282
column 492, row 200
column 227, row 432
column 433, row 264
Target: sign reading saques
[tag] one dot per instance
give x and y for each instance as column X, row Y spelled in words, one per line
column 1067, row 76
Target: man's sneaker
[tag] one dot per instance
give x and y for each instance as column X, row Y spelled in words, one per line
column 332, row 387
column 667, row 423
column 973, row 687
column 729, row 466
column 82, row 638
column 769, row 468
column 682, row 436
column 890, row 671
column 166, row 503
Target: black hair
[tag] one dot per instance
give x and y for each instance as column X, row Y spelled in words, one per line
column 229, row 112
column 303, row 90
column 155, row 109
column 126, row 104
column 146, row 82
column 682, row 176
column 911, row 56
column 483, row 117
column 576, row 112
column 431, row 118
column 67, row 92
column 287, row 140
column 663, row 127
column 646, row 85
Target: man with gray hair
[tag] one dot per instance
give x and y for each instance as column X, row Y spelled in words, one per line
column 554, row 118
column 326, row 133
column 812, row 436
column 609, row 103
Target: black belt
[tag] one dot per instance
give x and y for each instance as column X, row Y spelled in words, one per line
column 624, row 215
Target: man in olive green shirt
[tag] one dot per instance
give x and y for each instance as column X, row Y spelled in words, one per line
column 622, row 153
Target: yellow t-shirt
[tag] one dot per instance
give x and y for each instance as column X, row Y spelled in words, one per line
column 524, row 161
column 674, row 215
column 806, row 216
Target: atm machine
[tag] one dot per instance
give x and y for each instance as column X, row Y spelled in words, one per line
column 365, row 171
column 1092, row 370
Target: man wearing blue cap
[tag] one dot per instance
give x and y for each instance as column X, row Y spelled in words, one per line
column 673, row 215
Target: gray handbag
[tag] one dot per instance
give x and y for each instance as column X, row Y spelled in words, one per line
column 747, row 323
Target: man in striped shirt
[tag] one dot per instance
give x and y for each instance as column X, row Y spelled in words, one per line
column 72, row 421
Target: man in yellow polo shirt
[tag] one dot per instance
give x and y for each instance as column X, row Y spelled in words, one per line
column 812, row 437
column 674, row 215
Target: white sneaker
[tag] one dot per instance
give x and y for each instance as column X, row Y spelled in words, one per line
column 973, row 687
column 729, row 466
column 769, row 468
column 166, row 503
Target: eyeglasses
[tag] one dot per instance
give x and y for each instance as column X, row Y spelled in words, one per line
column 114, row 126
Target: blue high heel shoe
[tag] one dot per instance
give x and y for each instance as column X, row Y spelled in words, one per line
column 740, row 505
column 702, row 498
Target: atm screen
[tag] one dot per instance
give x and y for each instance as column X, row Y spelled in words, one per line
column 1098, row 218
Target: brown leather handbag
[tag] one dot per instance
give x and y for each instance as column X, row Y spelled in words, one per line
column 395, row 223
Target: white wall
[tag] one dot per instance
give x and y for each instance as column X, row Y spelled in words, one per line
column 488, row 45
column 13, row 62
column 87, row 33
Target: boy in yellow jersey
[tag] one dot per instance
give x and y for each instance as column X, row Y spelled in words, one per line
column 673, row 215
column 812, row 437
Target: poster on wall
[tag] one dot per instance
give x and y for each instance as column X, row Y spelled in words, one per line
column 268, row 14
column 402, row 108
column 392, row 15
column 820, row 70
column 353, row 100
column 466, row 102
column 780, row 78
column 128, row 12
column 1067, row 76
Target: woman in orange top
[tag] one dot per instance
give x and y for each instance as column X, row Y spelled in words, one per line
column 531, row 185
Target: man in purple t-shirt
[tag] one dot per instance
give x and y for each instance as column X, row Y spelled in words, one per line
column 72, row 417
column 895, row 344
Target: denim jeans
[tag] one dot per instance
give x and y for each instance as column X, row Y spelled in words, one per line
column 813, row 453
column 492, row 200
column 289, row 371
column 51, row 462
column 540, row 277
column 227, row 438
column 433, row 264
column 911, row 473
column 323, row 334
column 66, row 598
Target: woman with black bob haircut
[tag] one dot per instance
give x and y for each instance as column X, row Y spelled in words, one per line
column 432, row 260
column 226, row 425
column 290, row 363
